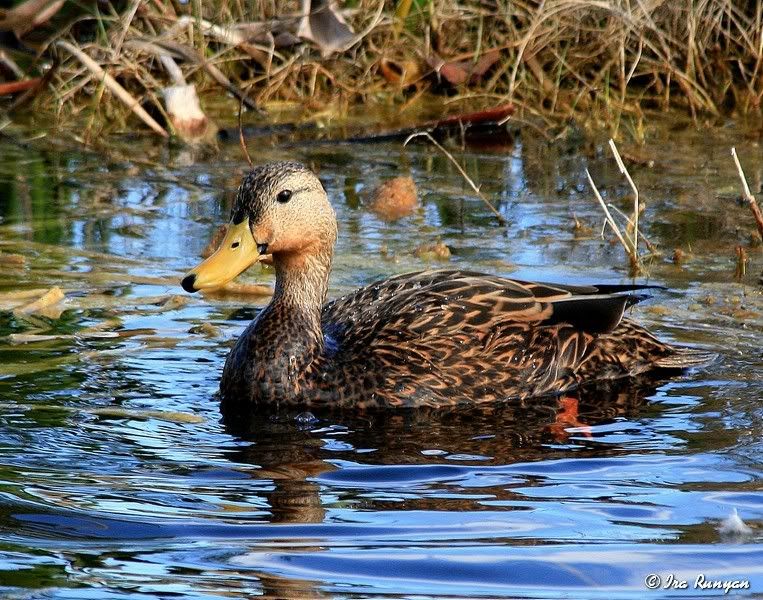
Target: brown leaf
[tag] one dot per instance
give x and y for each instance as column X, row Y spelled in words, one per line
column 12, row 260
column 458, row 72
column 394, row 199
column 402, row 73
column 323, row 25
column 436, row 251
column 50, row 298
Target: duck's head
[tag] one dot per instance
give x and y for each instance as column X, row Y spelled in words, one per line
column 281, row 209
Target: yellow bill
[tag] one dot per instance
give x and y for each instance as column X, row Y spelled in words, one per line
column 237, row 252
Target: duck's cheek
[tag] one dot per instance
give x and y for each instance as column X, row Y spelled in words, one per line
column 264, row 238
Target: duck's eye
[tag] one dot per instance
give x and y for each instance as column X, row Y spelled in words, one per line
column 235, row 245
column 284, row 196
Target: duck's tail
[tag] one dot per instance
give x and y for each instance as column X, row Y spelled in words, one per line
column 685, row 358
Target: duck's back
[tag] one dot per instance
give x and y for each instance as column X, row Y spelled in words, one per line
column 447, row 337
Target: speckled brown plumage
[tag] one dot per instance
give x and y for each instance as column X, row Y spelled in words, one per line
column 434, row 338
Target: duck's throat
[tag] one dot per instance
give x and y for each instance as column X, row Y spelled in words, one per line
column 302, row 281
column 284, row 342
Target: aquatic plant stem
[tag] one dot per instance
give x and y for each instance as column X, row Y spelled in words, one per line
column 607, row 215
column 241, row 139
column 636, row 207
column 635, row 263
column 748, row 194
column 426, row 134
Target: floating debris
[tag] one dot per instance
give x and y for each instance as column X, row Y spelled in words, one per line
column 12, row 260
column 174, row 302
column 436, row 251
column 206, row 329
column 734, row 527
column 740, row 269
column 679, row 256
column 394, row 199
column 49, row 299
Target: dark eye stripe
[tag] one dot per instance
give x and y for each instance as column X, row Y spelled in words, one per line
column 284, row 196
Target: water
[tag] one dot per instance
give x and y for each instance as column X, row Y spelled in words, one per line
column 118, row 479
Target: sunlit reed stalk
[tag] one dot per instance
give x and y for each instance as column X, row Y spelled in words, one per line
column 449, row 156
column 628, row 242
column 751, row 201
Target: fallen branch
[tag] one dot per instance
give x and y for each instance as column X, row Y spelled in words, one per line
column 113, row 85
column 748, row 194
column 480, row 122
column 449, row 156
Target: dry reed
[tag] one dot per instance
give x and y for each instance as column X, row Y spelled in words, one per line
column 605, row 62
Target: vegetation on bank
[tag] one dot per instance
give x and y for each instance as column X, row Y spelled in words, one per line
column 600, row 63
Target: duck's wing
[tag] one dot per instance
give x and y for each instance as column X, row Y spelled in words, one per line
column 443, row 337
column 439, row 303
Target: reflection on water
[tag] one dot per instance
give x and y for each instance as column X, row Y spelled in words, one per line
column 119, row 478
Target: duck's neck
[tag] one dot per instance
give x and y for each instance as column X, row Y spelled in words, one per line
column 302, row 281
column 291, row 323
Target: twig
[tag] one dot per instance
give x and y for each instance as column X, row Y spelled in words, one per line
column 241, row 134
column 498, row 216
column 649, row 245
column 126, row 21
column 608, row 216
column 748, row 194
column 113, row 85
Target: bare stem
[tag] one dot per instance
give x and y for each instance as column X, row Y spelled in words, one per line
column 748, row 194
column 608, row 215
column 624, row 171
column 426, row 134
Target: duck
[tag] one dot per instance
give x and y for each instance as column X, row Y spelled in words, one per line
column 434, row 338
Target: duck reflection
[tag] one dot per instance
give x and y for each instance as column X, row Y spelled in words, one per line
column 293, row 452
column 296, row 455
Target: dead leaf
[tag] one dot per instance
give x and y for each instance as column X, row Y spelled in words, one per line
column 19, row 296
column 322, row 24
column 206, row 329
column 32, row 338
column 162, row 415
column 464, row 71
column 174, row 302
column 437, row 251
column 403, row 73
column 52, row 297
column 394, row 199
column 12, row 260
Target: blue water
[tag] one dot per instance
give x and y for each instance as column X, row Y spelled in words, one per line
column 119, row 480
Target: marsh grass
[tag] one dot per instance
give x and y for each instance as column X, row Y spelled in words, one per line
column 602, row 63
